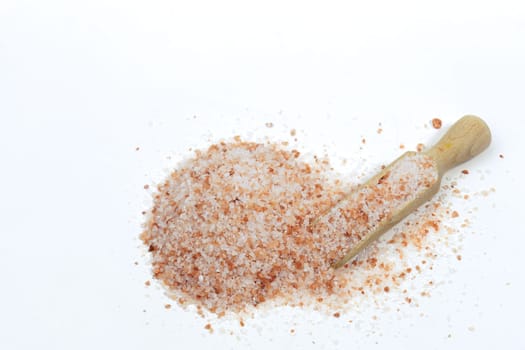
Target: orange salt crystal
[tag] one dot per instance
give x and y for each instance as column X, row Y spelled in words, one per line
column 436, row 123
column 208, row 327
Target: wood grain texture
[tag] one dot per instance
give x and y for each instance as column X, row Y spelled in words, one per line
column 467, row 138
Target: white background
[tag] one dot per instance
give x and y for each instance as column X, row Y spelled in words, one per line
column 82, row 84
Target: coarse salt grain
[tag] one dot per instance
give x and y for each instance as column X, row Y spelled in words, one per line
column 233, row 227
column 229, row 228
column 208, row 327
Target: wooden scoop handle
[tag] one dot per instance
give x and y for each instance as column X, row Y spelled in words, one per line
column 467, row 138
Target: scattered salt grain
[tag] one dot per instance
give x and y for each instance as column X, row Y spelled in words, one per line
column 233, row 228
column 208, row 327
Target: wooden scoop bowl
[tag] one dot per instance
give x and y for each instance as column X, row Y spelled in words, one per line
column 467, row 138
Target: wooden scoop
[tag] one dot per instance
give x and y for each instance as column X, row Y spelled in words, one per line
column 467, row 138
